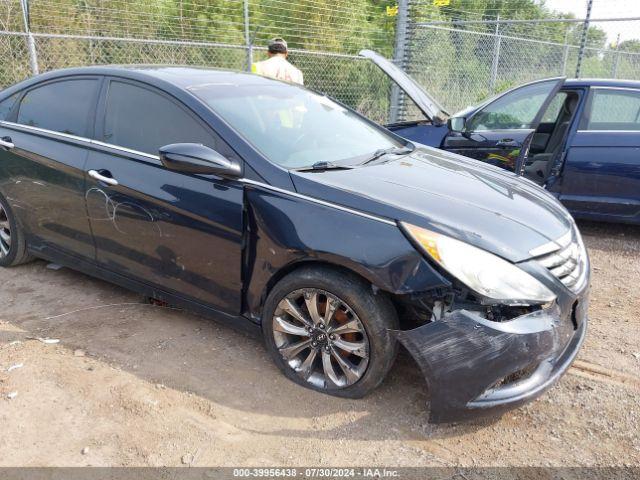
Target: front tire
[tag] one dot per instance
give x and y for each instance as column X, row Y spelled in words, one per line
column 13, row 247
column 328, row 331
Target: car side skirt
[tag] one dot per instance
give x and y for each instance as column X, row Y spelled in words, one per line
column 52, row 254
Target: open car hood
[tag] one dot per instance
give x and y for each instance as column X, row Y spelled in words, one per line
column 425, row 102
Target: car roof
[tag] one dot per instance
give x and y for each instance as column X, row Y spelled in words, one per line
column 183, row 77
column 187, row 76
column 601, row 82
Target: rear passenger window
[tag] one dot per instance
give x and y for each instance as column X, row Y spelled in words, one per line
column 5, row 106
column 613, row 110
column 142, row 120
column 61, row 106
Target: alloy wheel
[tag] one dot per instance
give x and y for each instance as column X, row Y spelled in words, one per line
column 321, row 338
column 5, row 233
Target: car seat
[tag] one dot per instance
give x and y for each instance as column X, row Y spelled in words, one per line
column 540, row 165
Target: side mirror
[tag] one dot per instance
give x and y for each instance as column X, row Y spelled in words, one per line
column 196, row 158
column 457, row 124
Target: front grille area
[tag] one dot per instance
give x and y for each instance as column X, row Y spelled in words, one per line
column 565, row 262
column 514, row 377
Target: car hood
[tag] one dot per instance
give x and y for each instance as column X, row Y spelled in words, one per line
column 429, row 106
column 473, row 202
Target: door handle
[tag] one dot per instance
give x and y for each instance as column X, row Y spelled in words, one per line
column 5, row 142
column 101, row 178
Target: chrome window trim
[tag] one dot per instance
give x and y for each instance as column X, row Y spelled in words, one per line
column 245, row 181
column 29, row 128
column 124, row 149
column 605, row 87
column 608, row 131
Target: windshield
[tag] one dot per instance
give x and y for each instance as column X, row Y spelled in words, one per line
column 294, row 127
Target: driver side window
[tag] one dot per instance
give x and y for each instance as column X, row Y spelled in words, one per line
column 514, row 110
column 143, row 120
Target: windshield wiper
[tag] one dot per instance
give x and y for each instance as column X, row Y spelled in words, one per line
column 322, row 166
column 388, row 151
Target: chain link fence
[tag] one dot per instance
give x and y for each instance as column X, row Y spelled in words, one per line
column 458, row 63
column 15, row 58
column 351, row 79
column 462, row 67
column 68, row 34
column 463, row 61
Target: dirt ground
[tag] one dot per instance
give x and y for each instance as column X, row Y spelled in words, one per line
column 131, row 384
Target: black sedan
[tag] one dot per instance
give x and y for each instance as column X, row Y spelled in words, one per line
column 268, row 205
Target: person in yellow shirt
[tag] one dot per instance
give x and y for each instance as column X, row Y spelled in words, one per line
column 277, row 66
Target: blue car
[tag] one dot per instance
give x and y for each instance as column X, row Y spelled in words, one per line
column 268, row 206
column 580, row 139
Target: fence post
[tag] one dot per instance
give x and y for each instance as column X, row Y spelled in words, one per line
column 495, row 62
column 31, row 43
column 565, row 56
column 583, row 39
column 616, row 61
column 247, row 36
column 399, row 58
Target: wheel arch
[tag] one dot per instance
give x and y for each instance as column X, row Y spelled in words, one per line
column 16, row 209
column 317, row 264
column 17, row 253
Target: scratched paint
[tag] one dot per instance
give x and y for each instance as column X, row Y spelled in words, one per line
column 128, row 218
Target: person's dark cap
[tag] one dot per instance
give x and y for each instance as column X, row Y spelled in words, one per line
column 277, row 45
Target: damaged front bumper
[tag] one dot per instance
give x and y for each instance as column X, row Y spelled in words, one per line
column 475, row 366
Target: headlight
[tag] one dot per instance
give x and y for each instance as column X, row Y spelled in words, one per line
column 480, row 270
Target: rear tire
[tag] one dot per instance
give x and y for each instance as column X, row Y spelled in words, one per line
column 13, row 246
column 347, row 356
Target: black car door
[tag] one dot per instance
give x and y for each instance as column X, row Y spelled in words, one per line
column 178, row 232
column 501, row 131
column 42, row 162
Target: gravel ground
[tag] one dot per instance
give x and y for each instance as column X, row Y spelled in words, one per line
column 131, row 384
